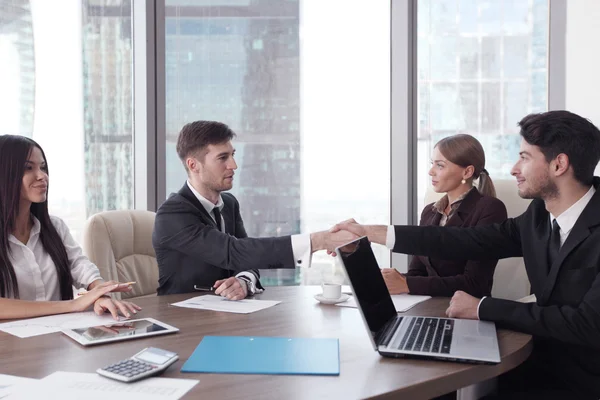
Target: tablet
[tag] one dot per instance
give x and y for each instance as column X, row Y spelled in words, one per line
column 124, row 330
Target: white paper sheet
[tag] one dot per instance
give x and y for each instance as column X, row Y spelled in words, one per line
column 10, row 383
column 402, row 302
column 218, row 303
column 55, row 323
column 86, row 386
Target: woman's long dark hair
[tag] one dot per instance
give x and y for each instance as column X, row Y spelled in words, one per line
column 14, row 152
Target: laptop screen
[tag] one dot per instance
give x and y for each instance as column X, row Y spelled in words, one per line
column 367, row 283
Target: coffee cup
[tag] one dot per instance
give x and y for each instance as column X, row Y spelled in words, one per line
column 331, row 290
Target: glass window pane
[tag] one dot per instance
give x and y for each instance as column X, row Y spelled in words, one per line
column 443, row 56
column 503, row 73
column 490, row 57
column 469, row 57
column 289, row 99
column 490, row 107
column 67, row 85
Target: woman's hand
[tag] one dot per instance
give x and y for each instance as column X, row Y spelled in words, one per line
column 104, row 304
column 85, row 301
column 121, row 287
column 395, row 281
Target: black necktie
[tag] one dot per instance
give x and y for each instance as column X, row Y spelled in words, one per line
column 217, row 213
column 554, row 243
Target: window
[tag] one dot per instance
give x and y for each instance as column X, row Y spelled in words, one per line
column 482, row 66
column 67, row 85
column 312, row 124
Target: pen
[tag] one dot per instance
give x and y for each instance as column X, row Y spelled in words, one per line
column 204, row 288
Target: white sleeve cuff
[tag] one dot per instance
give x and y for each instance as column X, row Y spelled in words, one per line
column 301, row 249
column 479, row 305
column 390, row 238
column 248, row 275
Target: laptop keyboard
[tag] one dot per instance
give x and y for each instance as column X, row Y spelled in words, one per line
column 429, row 335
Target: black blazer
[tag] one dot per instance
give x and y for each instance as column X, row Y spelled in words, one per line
column 190, row 250
column 438, row 277
column 565, row 321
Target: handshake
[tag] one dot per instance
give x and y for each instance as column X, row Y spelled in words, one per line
column 345, row 232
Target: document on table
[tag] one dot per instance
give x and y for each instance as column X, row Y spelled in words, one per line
column 55, row 323
column 218, row 303
column 10, row 383
column 402, row 302
column 86, row 386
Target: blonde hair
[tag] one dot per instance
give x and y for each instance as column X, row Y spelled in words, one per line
column 464, row 150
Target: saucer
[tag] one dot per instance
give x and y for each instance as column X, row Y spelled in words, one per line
column 326, row 300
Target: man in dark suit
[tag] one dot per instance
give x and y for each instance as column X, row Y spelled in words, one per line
column 558, row 237
column 199, row 235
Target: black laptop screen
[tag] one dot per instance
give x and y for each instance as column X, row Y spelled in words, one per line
column 368, row 284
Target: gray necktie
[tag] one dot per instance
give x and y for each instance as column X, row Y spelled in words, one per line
column 217, row 214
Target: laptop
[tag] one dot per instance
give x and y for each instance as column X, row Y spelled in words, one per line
column 394, row 335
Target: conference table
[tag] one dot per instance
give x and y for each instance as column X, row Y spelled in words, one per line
column 363, row 372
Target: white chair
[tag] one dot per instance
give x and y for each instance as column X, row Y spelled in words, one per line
column 510, row 277
column 120, row 244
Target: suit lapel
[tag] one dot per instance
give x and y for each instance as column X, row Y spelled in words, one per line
column 227, row 214
column 464, row 208
column 188, row 195
column 541, row 236
column 589, row 217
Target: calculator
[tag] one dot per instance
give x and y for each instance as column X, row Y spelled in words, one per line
column 148, row 362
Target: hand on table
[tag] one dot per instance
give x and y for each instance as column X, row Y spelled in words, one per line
column 232, row 288
column 463, row 305
column 394, row 280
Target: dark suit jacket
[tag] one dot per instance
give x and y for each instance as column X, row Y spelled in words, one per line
column 190, row 250
column 438, row 277
column 565, row 321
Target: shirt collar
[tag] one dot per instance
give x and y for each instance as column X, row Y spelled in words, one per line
column 567, row 219
column 35, row 230
column 441, row 204
column 207, row 204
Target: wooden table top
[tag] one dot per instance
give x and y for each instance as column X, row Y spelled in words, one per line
column 363, row 372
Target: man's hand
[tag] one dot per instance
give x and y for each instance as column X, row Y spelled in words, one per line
column 394, row 280
column 233, row 288
column 326, row 240
column 350, row 225
column 463, row 306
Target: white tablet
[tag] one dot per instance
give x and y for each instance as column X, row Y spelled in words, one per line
column 124, row 330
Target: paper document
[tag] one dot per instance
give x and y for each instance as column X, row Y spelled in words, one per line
column 218, row 303
column 86, row 386
column 402, row 302
column 55, row 323
column 10, row 383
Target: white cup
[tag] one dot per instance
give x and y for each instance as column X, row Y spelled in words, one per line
column 331, row 290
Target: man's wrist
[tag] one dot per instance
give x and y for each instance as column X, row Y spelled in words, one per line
column 479, row 306
column 377, row 233
column 317, row 241
column 248, row 285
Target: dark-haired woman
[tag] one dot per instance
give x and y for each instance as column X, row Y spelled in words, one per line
column 457, row 161
column 39, row 260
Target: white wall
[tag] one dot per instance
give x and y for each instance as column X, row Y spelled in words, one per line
column 583, row 59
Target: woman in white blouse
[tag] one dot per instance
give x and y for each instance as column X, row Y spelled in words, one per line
column 39, row 260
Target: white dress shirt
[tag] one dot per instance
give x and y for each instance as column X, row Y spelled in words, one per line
column 566, row 221
column 36, row 273
column 300, row 243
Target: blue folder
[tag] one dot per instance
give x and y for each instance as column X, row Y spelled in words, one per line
column 265, row 355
